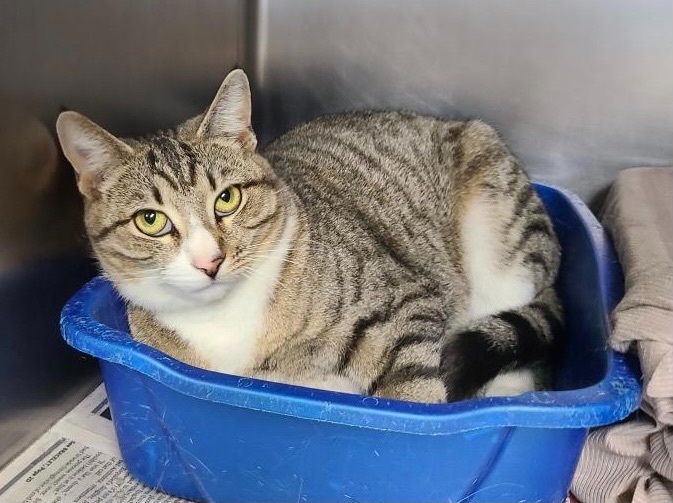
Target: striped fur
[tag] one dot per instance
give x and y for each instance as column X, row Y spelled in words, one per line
column 382, row 253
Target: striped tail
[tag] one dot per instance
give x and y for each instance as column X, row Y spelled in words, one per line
column 522, row 338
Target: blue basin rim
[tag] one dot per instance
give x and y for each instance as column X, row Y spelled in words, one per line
column 608, row 401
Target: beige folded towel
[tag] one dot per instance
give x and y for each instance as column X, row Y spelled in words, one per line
column 633, row 461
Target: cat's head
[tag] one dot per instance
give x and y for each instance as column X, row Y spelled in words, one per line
column 176, row 219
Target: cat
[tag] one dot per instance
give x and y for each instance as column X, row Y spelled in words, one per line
column 380, row 253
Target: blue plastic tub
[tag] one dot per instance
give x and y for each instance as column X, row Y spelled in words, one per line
column 220, row 438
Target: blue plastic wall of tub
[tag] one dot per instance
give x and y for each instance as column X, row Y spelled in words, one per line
column 220, row 438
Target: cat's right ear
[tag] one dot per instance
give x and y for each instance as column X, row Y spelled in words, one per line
column 89, row 148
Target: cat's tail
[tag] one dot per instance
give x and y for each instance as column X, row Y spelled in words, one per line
column 506, row 353
column 502, row 351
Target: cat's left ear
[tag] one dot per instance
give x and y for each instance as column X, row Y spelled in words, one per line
column 230, row 113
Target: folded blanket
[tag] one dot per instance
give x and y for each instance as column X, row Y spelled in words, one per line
column 633, row 461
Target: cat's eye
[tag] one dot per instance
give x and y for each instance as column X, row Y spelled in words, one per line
column 228, row 201
column 153, row 223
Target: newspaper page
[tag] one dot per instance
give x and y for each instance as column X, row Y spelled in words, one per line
column 76, row 461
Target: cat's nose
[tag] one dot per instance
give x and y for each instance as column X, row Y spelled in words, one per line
column 209, row 267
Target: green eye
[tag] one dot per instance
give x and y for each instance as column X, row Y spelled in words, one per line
column 228, row 201
column 153, row 223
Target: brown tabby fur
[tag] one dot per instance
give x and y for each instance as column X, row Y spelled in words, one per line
column 385, row 253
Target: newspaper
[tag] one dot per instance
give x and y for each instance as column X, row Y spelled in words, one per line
column 76, row 461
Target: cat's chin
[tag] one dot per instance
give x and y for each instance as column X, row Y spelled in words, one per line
column 200, row 293
column 158, row 296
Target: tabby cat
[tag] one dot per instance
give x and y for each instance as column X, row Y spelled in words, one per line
column 377, row 253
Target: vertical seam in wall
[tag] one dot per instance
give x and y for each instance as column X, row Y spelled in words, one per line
column 252, row 52
column 252, row 34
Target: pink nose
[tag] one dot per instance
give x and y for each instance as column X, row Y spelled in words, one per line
column 209, row 267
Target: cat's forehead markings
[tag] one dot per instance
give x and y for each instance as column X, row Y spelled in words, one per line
column 174, row 158
column 157, row 195
column 151, row 158
column 156, row 170
column 172, row 182
column 190, row 159
column 211, row 180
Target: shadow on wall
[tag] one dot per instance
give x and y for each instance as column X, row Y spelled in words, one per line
column 43, row 260
column 40, row 212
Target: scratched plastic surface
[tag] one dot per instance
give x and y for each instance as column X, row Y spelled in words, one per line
column 219, row 438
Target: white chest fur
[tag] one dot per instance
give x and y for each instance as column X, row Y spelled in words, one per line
column 226, row 333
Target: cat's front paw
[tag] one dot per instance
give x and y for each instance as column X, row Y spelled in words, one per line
column 426, row 390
